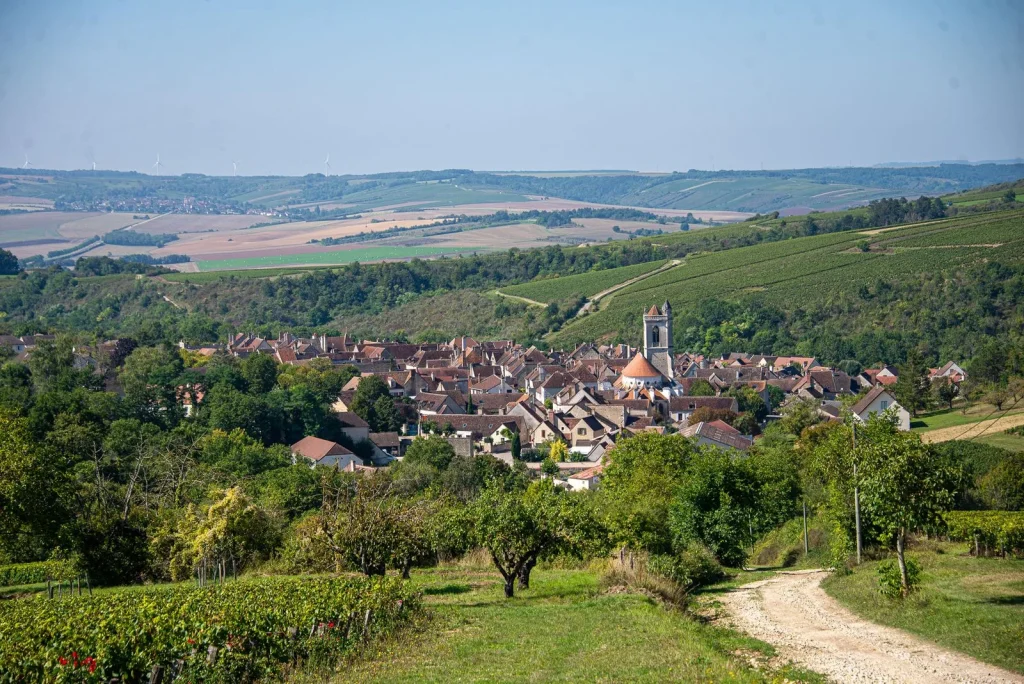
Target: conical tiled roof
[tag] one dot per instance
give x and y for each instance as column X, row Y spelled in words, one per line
column 654, row 311
column 640, row 367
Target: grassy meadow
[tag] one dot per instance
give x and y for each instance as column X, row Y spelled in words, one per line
column 564, row 628
column 972, row 605
column 336, row 257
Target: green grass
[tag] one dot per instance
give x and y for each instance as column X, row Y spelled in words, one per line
column 1003, row 441
column 583, row 284
column 562, row 629
column 212, row 276
column 344, row 256
column 951, row 418
column 972, row 605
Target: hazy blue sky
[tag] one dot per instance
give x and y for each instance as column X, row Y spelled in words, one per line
column 507, row 85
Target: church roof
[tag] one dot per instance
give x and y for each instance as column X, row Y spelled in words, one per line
column 640, row 367
column 654, row 311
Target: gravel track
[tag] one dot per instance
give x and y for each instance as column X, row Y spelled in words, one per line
column 807, row 626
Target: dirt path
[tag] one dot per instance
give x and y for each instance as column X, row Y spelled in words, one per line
column 615, row 288
column 807, row 626
column 531, row 302
column 972, row 430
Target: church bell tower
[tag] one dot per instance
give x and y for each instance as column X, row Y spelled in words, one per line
column 658, row 339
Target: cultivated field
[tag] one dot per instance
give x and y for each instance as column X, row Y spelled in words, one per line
column 806, row 269
column 583, row 284
column 201, row 223
column 332, row 257
column 55, row 227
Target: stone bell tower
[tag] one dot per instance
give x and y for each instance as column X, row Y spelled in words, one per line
column 658, row 339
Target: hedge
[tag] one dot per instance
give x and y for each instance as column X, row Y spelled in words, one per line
column 988, row 531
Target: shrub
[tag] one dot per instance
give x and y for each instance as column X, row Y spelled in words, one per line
column 694, row 567
column 639, row 576
column 889, row 584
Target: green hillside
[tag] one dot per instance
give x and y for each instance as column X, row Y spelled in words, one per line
column 804, row 271
column 581, row 285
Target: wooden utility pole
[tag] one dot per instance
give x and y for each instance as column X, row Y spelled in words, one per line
column 856, row 491
column 805, row 526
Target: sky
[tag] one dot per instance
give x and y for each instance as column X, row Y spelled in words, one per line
column 650, row 85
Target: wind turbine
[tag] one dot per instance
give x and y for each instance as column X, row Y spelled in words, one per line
column 27, row 162
column 93, row 164
column 327, row 163
column 157, row 165
column 234, row 165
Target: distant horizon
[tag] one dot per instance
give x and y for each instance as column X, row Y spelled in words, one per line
column 525, row 172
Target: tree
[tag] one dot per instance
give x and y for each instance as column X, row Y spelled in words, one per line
column 750, row 401
column 639, row 478
column 997, row 396
column 800, row 415
column 701, row 388
column 371, row 388
column 8, row 263
column 776, row 396
column 913, row 389
column 516, row 446
column 706, row 414
column 1002, row 488
column 260, row 373
column 434, row 451
column 712, row 507
column 367, row 524
column 386, row 416
column 150, row 380
column 1010, row 196
column 516, row 527
column 549, row 467
column 946, row 392
column 903, row 488
column 559, row 451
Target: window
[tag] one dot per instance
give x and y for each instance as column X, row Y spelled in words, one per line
column 885, row 405
column 655, row 336
column 581, row 431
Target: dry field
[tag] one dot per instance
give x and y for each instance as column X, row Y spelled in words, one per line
column 26, row 203
column 201, row 223
column 286, row 238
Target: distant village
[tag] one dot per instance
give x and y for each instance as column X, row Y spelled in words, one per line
column 496, row 396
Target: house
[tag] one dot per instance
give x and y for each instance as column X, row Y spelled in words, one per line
column 352, row 426
column 324, row 452
column 717, row 434
column 585, row 432
column 951, row 371
column 681, row 408
column 491, row 384
column 388, row 442
column 586, row 479
column 879, row 400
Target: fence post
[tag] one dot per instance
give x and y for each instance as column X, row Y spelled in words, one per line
column 156, row 675
column 366, row 621
column 211, row 655
column 49, row 588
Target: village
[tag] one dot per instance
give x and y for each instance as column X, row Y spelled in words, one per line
column 566, row 408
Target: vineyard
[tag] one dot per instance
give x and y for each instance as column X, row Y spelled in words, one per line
column 580, row 285
column 245, row 630
column 808, row 269
column 990, row 532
